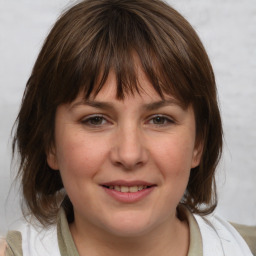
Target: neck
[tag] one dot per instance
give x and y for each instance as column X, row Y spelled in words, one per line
column 169, row 238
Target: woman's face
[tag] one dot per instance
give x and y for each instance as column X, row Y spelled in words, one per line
column 124, row 164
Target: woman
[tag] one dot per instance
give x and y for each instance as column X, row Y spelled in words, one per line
column 119, row 136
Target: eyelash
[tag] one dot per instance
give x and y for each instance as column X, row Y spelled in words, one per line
column 167, row 120
column 103, row 120
column 88, row 120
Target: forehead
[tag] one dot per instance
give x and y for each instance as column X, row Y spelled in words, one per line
column 137, row 84
column 146, row 95
column 110, row 87
column 132, row 80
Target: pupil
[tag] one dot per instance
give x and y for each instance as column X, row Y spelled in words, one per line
column 96, row 120
column 158, row 120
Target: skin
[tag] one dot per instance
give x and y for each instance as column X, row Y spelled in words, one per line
column 133, row 139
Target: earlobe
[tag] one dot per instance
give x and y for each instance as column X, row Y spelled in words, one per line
column 52, row 160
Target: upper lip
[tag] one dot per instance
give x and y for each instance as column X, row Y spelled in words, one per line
column 127, row 183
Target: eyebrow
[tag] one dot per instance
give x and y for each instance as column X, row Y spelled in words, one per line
column 160, row 104
column 94, row 104
column 109, row 106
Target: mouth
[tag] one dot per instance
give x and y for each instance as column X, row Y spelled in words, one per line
column 128, row 189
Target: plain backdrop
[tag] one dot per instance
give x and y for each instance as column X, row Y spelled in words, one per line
column 228, row 31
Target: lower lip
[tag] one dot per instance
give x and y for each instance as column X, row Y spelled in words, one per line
column 130, row 197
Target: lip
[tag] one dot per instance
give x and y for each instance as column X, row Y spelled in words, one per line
column 128, row 197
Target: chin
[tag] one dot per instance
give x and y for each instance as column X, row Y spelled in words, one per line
column 129, row 231
column 129, row 225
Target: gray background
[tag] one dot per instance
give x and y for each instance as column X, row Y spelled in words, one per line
column 228, row 31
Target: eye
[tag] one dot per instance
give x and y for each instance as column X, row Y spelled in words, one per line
column 95, row 120
column 160, row 120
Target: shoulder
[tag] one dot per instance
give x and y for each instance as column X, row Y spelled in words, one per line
column 13, row 244
column 32, row 240
column 249, row 235
column 219, row 236
column 3, row 246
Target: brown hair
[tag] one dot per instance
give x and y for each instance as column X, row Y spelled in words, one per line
column 87, row 41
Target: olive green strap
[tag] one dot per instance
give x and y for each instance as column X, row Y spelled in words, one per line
column 65, row 240
column 14, row 244
column 249, row 235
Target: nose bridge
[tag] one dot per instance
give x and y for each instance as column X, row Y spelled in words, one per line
column 129, row 150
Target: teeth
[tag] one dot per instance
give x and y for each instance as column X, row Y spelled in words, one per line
column 126, row 189
column 133, row 189
column 140, row 187
column 117, row 188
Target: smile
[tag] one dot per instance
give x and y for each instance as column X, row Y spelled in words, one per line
column 128, row 192
column 127, row 189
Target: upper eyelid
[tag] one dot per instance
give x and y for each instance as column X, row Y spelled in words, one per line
column 95, row 115
column 159, row 114
column 92, row 115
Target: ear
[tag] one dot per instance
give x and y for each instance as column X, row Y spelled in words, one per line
column 52, row 159
column 197, row 154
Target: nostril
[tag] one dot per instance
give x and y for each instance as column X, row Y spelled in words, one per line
column 128, row 166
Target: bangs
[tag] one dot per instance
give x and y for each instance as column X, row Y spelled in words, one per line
column 115, row 40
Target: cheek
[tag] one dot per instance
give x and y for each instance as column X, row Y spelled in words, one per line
column 174, row 156
column 79, row 163
column 78, row 156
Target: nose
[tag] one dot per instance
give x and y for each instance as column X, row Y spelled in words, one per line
column 129, row 150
